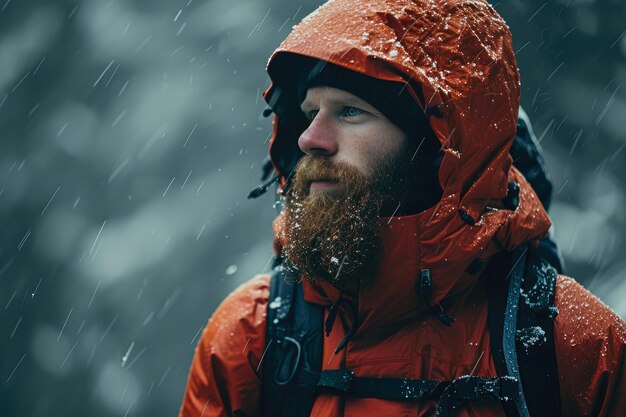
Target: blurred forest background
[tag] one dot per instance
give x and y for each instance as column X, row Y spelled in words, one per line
column 130, row 134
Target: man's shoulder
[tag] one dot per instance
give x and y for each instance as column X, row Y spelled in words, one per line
column 590, row 341
column 255, row 290
column 248, row 301
column 582, row 314
column 239, row 318
column 225, row 372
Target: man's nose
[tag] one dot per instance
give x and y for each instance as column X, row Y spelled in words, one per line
column 319, row 138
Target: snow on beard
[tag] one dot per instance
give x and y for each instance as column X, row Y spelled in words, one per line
column 333, row 234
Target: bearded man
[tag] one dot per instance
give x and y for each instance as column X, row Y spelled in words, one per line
column 415, row 274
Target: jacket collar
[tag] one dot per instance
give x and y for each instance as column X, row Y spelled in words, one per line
column 441, row 241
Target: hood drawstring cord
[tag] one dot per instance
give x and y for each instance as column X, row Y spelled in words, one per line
column 261, row 189
column 267, row 168
column 332, row 316
column 425, row 291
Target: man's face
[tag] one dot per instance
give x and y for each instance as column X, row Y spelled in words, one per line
column 353, row 172
column 346, row 130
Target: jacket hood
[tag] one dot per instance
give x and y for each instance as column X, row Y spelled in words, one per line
column 456, row 60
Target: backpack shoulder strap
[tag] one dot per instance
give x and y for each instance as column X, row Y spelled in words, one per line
column 293, row 354
column 535, row 337
column 521, row 325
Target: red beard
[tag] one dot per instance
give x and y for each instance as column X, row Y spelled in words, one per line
column 333, row 234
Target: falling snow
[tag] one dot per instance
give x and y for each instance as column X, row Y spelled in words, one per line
column 121, row 236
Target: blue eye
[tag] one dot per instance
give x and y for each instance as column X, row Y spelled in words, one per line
column 352, row 112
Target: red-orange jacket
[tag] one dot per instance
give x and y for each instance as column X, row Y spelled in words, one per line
column 454, row 56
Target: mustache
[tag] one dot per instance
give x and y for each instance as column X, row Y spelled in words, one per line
column 315, row 168
column 311, row 168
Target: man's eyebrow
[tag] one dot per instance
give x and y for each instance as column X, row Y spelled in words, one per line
column 350, row 101
column 337, row 100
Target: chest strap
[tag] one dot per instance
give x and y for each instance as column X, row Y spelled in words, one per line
column 450, row 394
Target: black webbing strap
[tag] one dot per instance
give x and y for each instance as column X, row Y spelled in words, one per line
column 450, row 394
column 344, row 381
column 293, row 353
column 536, row 350
column 497, row 288
column 514, row 277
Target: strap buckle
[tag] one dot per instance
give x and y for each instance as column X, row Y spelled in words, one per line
column 288, row 366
